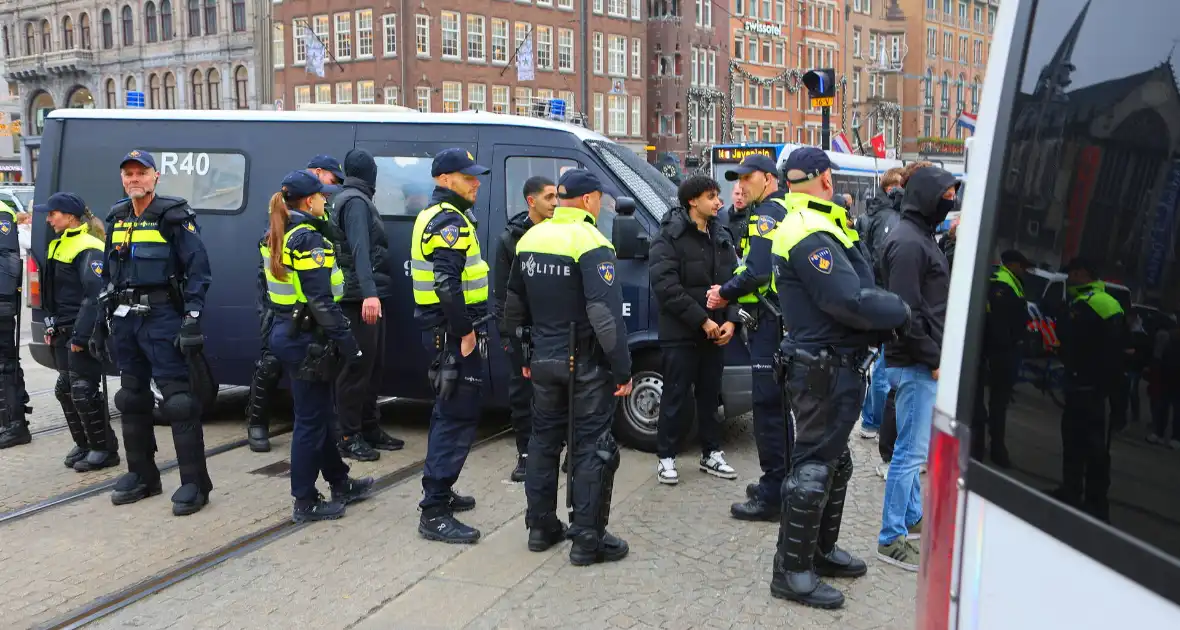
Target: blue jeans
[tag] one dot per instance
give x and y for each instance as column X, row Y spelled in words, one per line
column 902, row 508
column 873, row 410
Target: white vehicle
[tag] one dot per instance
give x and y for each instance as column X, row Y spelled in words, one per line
column 1076, row 153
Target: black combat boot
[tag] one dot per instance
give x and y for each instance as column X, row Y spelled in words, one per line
column 352, row 490
column 830, row 560
column 317, row 509
column 130, row 488
column 460, row 502
column 97, row 460
column 15, row 434
column 188, row 499
column 382, row 441
column 794, row 577
column 518, row 473
column 76, row 454
column 546, row 532
column 751, row 491
column 755, row 509
column 258, row 437
column 439, row 524
column 590, row 547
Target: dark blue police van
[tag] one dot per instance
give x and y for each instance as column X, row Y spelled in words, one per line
column 228, row 163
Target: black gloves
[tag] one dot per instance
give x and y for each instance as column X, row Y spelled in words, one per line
column 98, row 341
column 190, row 340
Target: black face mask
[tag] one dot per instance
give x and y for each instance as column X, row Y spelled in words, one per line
column 944, row 207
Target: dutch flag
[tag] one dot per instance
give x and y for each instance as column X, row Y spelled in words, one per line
column 840, row 144
column 967, row 120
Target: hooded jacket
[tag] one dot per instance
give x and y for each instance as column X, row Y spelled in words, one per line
column 880, row 218
column 364, row 234
column 915, row 268
column 684, row 263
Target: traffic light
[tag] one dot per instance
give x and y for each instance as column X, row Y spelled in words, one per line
column 821, row 82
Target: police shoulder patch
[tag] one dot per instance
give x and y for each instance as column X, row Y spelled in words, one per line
column 821, row 259
column 449, row 234
column 190, row 226
column 318, row 256
column 607, row 271
column 766, row 225
column 96, row 267
column 5, row 227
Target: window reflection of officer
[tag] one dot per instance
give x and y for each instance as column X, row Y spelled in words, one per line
column 14, row 400
column 540, row 194
column 566, row 277
column 450, row 282
column 311, row 337
column 73, row 282
column 766, row 208
column 160, row 274
column 268, row 369
column 1006, row 327
column 831, row 306
column 1092, row 340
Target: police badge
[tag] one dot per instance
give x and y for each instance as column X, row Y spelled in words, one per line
column 449, row 234
column 607, row 271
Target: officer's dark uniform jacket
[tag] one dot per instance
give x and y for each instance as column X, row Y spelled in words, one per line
column 364, row 253
column 447, row 270
column 755, row 273
column 1093, row 338
column 683, row 264
column 567, row 260
column 10, row 271
column 825, row 286
column 158, row 254
column 1007, row 313
column 737, row 222
column 506, row 254
column 73, row 281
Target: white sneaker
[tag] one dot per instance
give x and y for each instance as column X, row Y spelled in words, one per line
column 883, row 470
column 715, row 465
column 666, row 471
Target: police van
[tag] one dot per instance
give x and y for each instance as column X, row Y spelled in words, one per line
column 228, row 164
column 1076, row 154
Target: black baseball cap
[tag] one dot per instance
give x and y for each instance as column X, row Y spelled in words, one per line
column 752, row 164
column 577, row 182
column 140, row 157
column 1014, row 257
column 328, row 163
column 456, row 161
column 806, row 163
column 68, row 203
column 300, row 184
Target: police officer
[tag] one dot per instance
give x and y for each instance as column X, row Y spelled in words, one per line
column 751, row 286
column 735, row 220
column 450, row 283
column 833, row 312
column 159, row 272
column 14, row 400
column 1006, row 327
column 540, row 193
column 566, row 278
column 1092, row 343
column 268, row 369
column 312, row 339
column 73, row 282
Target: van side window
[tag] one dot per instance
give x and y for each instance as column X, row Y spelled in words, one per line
column 213, row 182
column 517, row 170
column 404, row 185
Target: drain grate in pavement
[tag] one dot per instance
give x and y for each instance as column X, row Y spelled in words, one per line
column 277, row 469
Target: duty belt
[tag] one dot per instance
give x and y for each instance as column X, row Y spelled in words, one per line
column 144, row 297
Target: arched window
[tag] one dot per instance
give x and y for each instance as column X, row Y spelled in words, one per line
column 112, row 97
column 946, row 90
column 959, row 88
column 194, row 18
column 30, row 39
column 151, row 28
column 975, row 94
column 154, row 92
column 84, row 26
column 169, row 90
column 214, row 84
column 130, row 84
column 928, row 87
column 46, row 37
column 196, row 90
column 241, row 88
column 210, row 17
column 67, row 33
column 166, row 20
column 108, row 30
column 128, row 26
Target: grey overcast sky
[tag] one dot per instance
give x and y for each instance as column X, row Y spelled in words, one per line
column 1118, row 38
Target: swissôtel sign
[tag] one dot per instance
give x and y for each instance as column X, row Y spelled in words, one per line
column 763, row 28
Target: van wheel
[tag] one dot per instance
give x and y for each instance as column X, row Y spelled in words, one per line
column 639, row 414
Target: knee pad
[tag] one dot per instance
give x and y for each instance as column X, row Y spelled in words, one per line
column 268, row 367
column 133, row 397
column 178, row 408
column 843, row 469
column 607, row 450
column 82, row 389
column 807, row 485
column 62, row 387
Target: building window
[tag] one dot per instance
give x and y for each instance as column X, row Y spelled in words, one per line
column 84, row 27
column 196, row 90
column 423, row 94
column 154, row 91
column 616, row 8
column 150, row 26
column 46, row 37
column 323, row 93
column 67, row 32
column 391, row 95
column 389, row 28
column 500, row 99
column 422, row 41
column 568, row 97
column 449, row 22
column 214, row 84
column 166, row 32
column 545, row 47
column 617, row 59
column 343, row 36
column 524, row 101
column 194, row 18
column 636, row 58
column 128, row 26
column 598, row 7
column 565, row 4
column 169, row 90
column 599, row 123
column 598, row 53
column 31, row 37
column 238, row 17
column 523, row 31
column 499, row 41
column 636, row 116
column 319, row 26
column 108, row 38
column 210, row 17
column 565, row 50
column 302, row 95
column 344, row 92
column 242, row 88
column 452, row 96
column 477, row 97
column 366, row 92
column 278, row 45
column 111, row 96
column 298, row 30
column 476, row 49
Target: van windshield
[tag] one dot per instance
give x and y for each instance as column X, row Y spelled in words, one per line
column 651, row 189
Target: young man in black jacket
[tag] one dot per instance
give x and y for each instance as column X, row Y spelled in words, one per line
column 540, row 194
column 368, row 279
column 692, row 253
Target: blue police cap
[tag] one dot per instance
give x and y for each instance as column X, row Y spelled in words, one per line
column 807, row 163
column 140, row 157
column 68, row 203
column 577, row 182
column 328, row 163
column 300, row 184
column 752, row 164
column 456, row 161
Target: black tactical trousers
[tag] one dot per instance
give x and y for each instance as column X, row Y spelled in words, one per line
column 692, row 383
column 357, row 386
column 1085, row 457
column 520, row 402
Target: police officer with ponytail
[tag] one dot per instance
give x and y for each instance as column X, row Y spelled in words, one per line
column 14, row 400
column 73, row 282
column 311, row 338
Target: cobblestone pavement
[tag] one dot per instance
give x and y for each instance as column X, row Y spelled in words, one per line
column 691, row 566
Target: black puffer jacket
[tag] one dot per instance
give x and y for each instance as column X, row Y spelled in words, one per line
column 365, row 260
column 505, row 254
column 881, row 216
column 684, row 263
